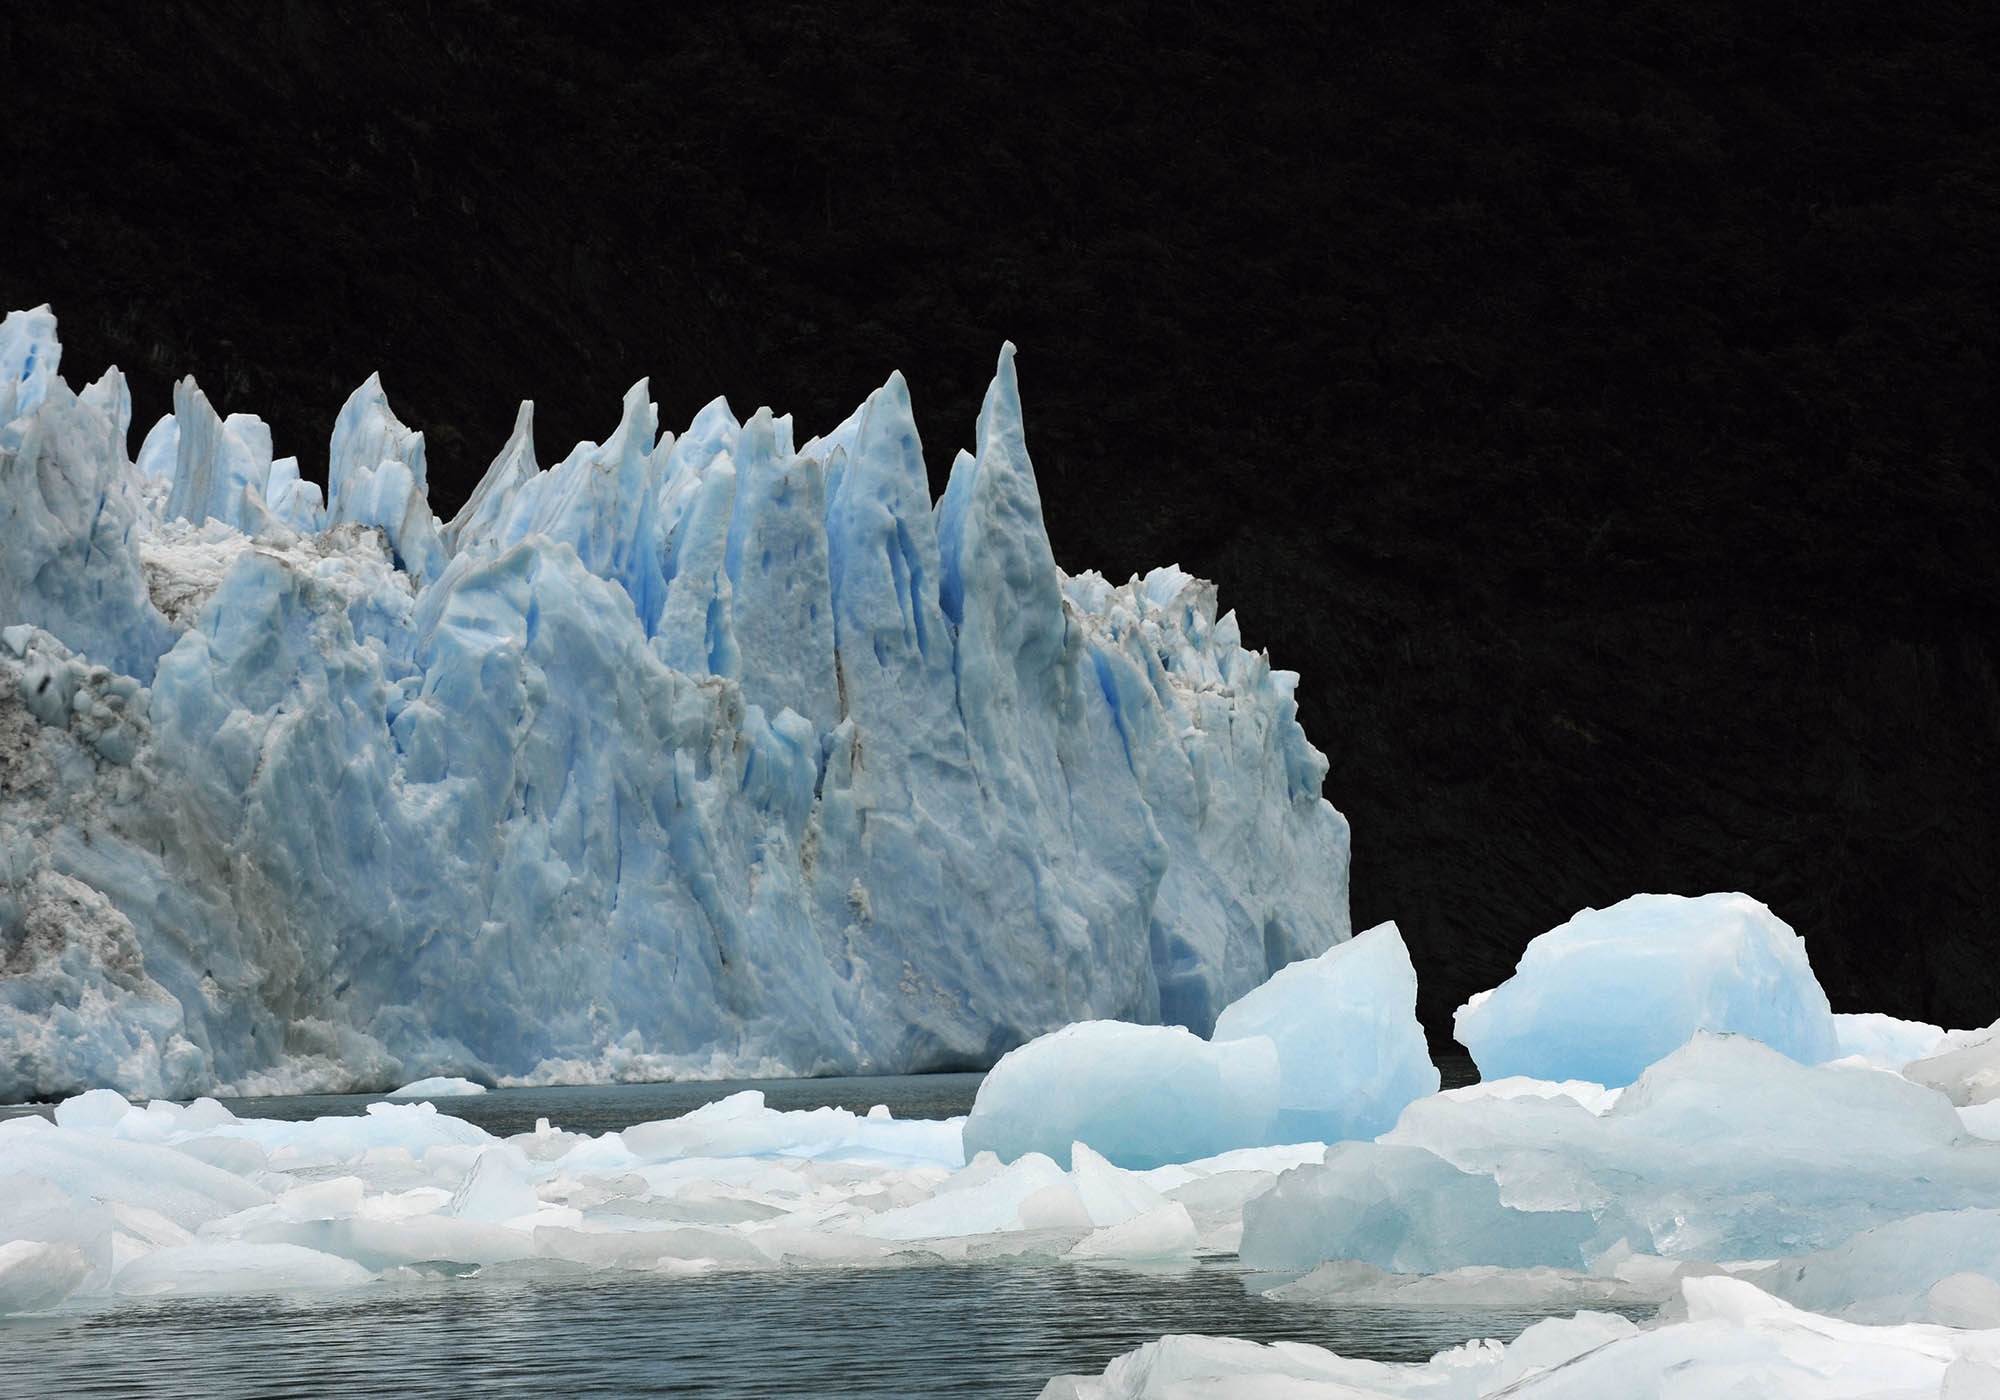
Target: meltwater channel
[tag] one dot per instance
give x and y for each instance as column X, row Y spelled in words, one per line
column 990, row 1329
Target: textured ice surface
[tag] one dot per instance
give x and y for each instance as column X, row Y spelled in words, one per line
column 1351, row 1052
column 1735, row 1341
column 1965, row 1068
column 1724, row 1150
column 113, row 1199
column 1885, row 1041
column 1611, row 991
column 1329, row 1048
column 687, row 756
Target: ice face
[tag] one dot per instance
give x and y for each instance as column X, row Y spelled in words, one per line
column 686, row 757
column 1611, row 991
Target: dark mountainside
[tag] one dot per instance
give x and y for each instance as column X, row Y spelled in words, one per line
column 1597, row 410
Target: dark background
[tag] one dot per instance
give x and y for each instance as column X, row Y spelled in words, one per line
column 1596, row 408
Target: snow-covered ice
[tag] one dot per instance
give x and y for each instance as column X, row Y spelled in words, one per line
column 438, row 1086
column 1965, row 1067
column 112, row 1199
column 696, row 756
column 1734, row 1341
column 1613, row 990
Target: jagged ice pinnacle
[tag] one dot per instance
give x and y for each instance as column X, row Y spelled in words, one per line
column 704, row 754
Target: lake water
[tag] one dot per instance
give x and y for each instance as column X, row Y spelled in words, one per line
column 942, row 1330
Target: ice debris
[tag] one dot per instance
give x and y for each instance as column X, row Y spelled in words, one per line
column 114, row 1199
column 693, row 756
column 1613, row 990
column 1735, row 1340
column 1724, row 1150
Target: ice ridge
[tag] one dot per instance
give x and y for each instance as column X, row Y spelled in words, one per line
column 688, row 755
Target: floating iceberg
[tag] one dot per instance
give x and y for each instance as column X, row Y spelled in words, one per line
column 1143, row 1096
column 1329, row 1048
column 1724, row 1150
column 1611, row 991
column 1351, row 1053
column 688, row 756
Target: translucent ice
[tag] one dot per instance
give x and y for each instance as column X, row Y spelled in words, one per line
column 1606, row 994
column 1723, row 1150
column 688, row 756
column 1329, row 1048
column 1885, row 1041
column 1351, row 1053
column 1142, row 1096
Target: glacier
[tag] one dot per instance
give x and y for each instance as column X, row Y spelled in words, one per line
column 694, row 755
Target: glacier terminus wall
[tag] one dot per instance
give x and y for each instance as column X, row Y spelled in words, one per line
column 690, row 755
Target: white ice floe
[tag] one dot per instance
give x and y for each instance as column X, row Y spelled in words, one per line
column 1734, row 1341
column 695, row 756
column 438, row 1086
column 113, row 1199
column 1613, row 990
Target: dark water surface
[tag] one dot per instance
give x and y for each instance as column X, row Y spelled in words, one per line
column 603, row 1108
column 978, row 1330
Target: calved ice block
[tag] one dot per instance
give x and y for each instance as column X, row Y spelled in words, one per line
column 1328, row 1049
column 1142, row 1096
column 1351, row 1053
column 1612, row 990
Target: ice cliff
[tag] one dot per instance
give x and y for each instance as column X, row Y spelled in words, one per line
column 695, row 754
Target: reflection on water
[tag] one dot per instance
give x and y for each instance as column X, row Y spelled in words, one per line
column 984, row 1330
